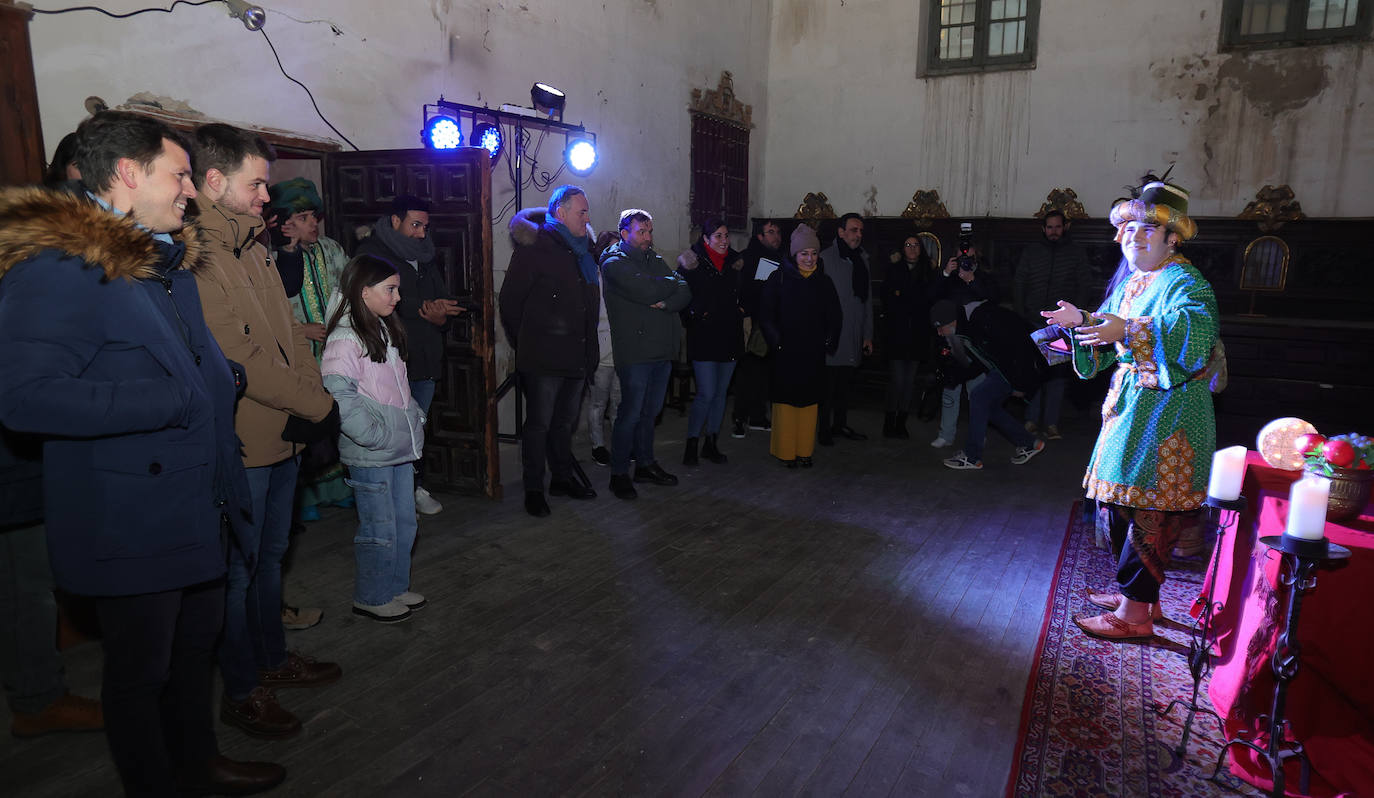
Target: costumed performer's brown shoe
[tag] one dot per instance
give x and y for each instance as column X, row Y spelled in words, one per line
column 1110, row 601
column 1109, row 627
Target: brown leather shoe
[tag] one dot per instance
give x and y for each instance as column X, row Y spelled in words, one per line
column 301, row 671
column 70, row 713
column 259, row 715
column 224, row 776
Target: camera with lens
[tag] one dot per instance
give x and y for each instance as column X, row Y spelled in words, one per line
column 967, row 261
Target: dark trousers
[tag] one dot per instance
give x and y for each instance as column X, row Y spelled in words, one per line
column 552, row 405
column 159, row 658
column 835, row 403
column 1143, row 540
column 29, row 664
column 751, row 389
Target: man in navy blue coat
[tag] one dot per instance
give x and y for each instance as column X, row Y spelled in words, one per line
column 106, row 356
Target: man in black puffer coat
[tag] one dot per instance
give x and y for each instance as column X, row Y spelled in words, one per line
column 550, row 303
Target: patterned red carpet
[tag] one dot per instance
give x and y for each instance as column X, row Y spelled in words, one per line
column 1090, row 724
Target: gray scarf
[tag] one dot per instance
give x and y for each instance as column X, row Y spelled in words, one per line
column 420, row 250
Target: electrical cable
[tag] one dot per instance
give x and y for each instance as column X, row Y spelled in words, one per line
column 308, row 93
column 169, row 10
column 128, row 14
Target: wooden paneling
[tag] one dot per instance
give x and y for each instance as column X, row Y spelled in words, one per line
column 460, row 445
column 21, row 157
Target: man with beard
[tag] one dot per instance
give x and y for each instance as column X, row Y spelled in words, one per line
column 846, row 263
column 1050, row 269
column 285, row 405
column 761, row 258
column 402, row 238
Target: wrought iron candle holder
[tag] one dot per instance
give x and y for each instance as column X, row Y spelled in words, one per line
column 1297, row 572
column 1201, row 638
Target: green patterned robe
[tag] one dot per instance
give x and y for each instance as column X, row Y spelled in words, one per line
column 1158, row 430
column 324, row 262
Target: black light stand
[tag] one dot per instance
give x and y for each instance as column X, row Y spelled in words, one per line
column 1201, row 639
column 1297, row 572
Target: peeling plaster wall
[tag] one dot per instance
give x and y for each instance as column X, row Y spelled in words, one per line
column 628, row 67
column 848, row 116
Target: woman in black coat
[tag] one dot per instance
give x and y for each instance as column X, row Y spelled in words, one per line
column 800, row 313
column 906, row 329
column 715, row 333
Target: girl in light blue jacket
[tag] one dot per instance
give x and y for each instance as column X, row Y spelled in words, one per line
column 383, row 433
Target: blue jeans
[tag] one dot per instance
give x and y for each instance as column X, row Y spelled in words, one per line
column 949, row 407
column 984, row 408
column 1050, row 398
column 708, row 406
column 386, row 531
column 29, row 662
column 642, row 387
column 552, row 406
column 423, row 391
column 253, row 636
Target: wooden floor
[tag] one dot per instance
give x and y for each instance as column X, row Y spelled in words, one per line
column 862, row 628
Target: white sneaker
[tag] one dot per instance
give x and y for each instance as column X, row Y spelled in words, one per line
column 411, row 599
column 960, row 462
column 426, row 504
column 1024, row 453
column 940, row 443
column 391, row 612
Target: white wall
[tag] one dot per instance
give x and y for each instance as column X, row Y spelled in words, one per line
column 628, row 67
column 1118, row 89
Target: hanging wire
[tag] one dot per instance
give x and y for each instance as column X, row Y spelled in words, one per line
column 172, row 7
column 308, row 93
column 167, row 10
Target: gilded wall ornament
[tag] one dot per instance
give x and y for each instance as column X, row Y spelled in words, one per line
column 815, row 207
column 1064, row 200
column 721, row 103
column 924, row 206
column 1273, row 207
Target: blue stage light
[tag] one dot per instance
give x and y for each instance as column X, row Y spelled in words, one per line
column 581, row 156
column 488, row 137
column 442, row 133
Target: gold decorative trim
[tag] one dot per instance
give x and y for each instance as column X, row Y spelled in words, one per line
column 1273, row 207
column 815, row 207
column 1264, row 267
column 721, row 103
column 925, row 205
column 1064, row 200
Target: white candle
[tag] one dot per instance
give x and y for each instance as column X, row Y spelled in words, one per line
column 1228, row 469
column 1307, row 508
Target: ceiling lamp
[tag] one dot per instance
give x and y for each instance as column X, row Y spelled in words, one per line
column 253, row 17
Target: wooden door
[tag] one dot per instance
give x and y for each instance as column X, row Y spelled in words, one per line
column 460, row 440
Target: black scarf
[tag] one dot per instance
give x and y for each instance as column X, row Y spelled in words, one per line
column 860, row 270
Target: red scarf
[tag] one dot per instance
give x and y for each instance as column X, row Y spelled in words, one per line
column 717, row 258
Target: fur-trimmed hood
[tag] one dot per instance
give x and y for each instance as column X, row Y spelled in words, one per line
column 36, row 219
column 525, row 226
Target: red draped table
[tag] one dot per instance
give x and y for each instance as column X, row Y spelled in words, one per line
column 1330, row 705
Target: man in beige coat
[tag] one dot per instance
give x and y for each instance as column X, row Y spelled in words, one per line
column 247, row 311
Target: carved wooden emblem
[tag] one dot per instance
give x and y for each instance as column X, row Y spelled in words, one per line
column 1064, row 200
column 721, row 103
column 814, row 208
column 924, row 206
column 1273, row 207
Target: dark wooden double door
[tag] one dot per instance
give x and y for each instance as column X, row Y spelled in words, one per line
column 460, row 440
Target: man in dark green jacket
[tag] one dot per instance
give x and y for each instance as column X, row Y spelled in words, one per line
column 643, row 296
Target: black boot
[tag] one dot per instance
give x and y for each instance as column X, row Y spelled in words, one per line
column 889, row 425
column 711, row 452
column 899, row 427
column 689, row 457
